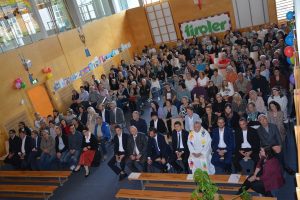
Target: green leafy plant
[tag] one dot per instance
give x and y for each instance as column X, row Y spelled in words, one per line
column 207, row 190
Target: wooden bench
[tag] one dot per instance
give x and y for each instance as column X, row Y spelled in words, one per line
column 26, row 191
column 60, row 176
column 169, row 195
column 32, row 181
column 190, row 186
column 181, row 178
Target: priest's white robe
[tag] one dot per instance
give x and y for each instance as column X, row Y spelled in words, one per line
column 200, row 142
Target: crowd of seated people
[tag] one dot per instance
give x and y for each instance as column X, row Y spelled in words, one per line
column 218, row 104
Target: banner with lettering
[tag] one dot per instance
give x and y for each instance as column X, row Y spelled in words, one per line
column 206, row 26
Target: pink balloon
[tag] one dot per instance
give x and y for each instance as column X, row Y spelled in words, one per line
column 18, row 85
column 18, row 80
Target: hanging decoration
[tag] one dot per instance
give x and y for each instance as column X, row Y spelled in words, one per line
column 289, row 39
column 27, row 64
column 48, row 72
column 19, row 84
column 83, row 40
column 199, row 3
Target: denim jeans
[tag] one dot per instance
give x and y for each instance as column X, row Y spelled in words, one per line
column 72, row 159
column 46, row 161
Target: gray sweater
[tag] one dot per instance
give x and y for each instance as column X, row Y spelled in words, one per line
column 75, row 141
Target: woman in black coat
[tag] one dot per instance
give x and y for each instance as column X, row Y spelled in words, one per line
column 89, row 147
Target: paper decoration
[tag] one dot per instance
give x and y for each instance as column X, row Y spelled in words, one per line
column 96, row 62
column 234, row 178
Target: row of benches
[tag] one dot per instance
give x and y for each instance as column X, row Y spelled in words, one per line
column 175, row 182
column 14, row 184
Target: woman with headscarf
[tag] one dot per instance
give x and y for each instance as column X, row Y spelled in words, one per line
column 258, row 101
column 91, row 118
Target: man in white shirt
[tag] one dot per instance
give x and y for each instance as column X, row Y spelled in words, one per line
column 83, row 96
column 190, row 82
column 247, row 144
column 120, row 153
column 25, row 149
column 222, row 146
column 190, row 118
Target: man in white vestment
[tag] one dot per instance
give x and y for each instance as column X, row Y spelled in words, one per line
column 199, row 143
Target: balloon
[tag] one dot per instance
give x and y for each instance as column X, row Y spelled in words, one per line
column 18, row 85
column 292, row 79
column 45, row 70
column 289, row 51
column 290, row 15
column 289, row 40
column 23, row 85
column 292, row 59
column 49, row 76
column 291, row 34
column 18, row 80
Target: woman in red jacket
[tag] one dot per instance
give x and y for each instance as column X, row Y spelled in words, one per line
column 267, row 176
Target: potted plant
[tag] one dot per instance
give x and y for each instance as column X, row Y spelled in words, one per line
column 207, row 190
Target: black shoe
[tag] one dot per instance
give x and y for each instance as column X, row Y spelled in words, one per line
column 76, row 170
column 86, row 175
column 122, row 176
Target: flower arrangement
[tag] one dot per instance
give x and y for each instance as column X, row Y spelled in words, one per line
column 207, row 190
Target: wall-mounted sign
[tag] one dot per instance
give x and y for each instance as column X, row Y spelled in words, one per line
column 214, row 24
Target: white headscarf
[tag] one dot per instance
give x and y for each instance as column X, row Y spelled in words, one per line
column 88, row 137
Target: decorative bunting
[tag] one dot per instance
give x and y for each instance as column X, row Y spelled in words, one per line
column 96, row 62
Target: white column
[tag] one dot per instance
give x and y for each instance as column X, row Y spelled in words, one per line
column 38, row 18
column 74, row 12
column 98, row 9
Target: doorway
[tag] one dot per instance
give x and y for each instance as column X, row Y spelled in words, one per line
column 40, row 100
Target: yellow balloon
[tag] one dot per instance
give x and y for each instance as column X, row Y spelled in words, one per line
column 49, row 76
column 292, row 59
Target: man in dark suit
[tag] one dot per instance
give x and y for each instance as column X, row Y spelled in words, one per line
column 137, row 150
column 158, row 123
column 14, row 148
column 269, row 136
column 138, row 122
column 157, row 152
column 116, row 115
column 180, row 148
column 61, row 146
column 209, row 119
column 25, row 149
column 222, row 146
column 104, row 113
column 120, row 153
column 246, row 144
column 35, row 150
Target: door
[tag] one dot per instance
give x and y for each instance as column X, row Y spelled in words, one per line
column 40, row 100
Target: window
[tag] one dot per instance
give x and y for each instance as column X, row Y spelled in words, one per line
column 87, row 10
column 146, row 2
column 121, row 5
column 282, row 7
column 250, row 12
column 17, row 26
column 161, row 22
column 54, row 16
